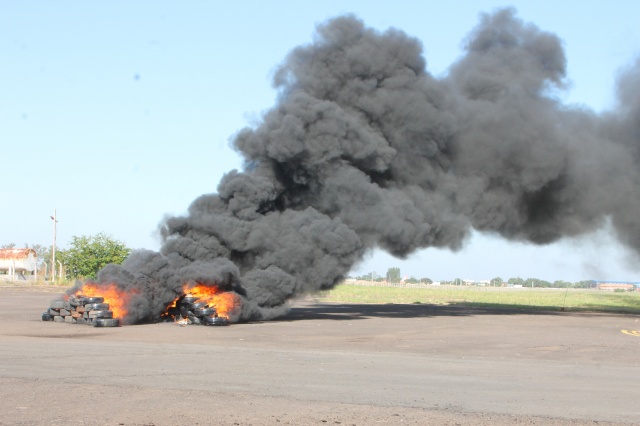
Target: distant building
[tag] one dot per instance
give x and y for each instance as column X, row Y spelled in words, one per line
column 617, row 285
column 15, row 263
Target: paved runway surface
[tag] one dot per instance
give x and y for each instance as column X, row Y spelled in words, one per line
column 322, row 364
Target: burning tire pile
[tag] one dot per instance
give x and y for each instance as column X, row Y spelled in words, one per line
column 190, row 310
column 79, row 309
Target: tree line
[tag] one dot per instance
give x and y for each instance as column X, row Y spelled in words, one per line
column 394, row 276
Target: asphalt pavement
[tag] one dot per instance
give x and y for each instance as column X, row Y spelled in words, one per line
column 322, row 364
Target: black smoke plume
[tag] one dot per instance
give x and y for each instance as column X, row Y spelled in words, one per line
column 365, row 149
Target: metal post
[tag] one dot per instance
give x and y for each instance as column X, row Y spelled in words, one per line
column 53, row 250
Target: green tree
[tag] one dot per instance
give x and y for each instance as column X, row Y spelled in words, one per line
column 426, row 280
column 371, row 276
column 9, row 246
column 536, row 282
column 88, row 254
column 393, row 275
column 497, row 282
column 543, row 283
column 516, row 281
column 584, row 284
column 562, row 284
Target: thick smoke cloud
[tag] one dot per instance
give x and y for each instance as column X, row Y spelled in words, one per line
column 366, row 149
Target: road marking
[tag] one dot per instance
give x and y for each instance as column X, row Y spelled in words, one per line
column 632, row 332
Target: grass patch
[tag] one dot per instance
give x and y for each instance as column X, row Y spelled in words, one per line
column 524, row 298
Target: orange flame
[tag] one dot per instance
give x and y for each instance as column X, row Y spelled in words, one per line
column 167, row 314
column 174, row 303
column 226, row 303
column 117, row 298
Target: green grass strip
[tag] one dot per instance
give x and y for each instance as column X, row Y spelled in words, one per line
column 521, row 298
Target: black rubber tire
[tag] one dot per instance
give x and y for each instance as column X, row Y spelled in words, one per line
column 215, row 321
column 195, row 320
column 188, row 299
column 88, row 300
column 171, row 312
column 54, row 312
column 57, row 304
column 82, row 321
column 197, row 305
column 76, row 300
column 100, row 314
column 106, row 322
column 47, row 317
column 204, row 312
column 96, row 307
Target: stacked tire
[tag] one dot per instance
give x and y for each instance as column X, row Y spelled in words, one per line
column 81, row 310
column 215, row 321
column 199, row 312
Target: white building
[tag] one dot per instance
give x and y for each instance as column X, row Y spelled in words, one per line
column 17, row 262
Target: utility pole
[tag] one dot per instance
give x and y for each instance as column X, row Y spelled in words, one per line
column 53, row 249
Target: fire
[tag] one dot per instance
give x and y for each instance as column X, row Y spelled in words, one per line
column 226, row 303
column 117, row 298
column 174, row 303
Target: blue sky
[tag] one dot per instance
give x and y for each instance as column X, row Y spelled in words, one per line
column 118, row 113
